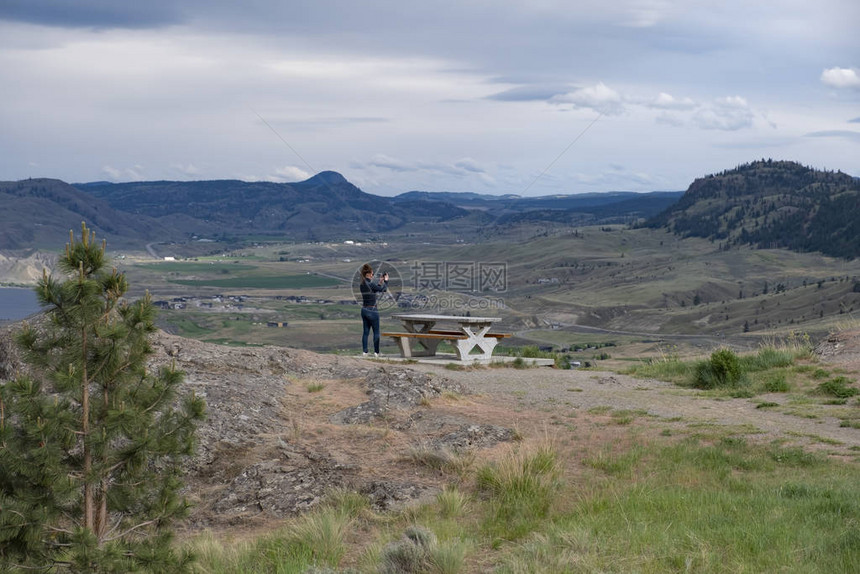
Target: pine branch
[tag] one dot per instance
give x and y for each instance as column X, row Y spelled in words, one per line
column 132, row 529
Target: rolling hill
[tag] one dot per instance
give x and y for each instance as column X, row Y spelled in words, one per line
column 324, row 206
column 579, row 209
column 38, row 213
column 771, row 204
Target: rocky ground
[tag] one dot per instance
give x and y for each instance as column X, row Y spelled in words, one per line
column 285, row 426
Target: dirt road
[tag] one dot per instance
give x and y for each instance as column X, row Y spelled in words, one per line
column 559, row 391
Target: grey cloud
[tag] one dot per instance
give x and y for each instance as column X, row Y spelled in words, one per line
column 500, row 41
column 845, row 134
column 531, row 93
column 462, row 167
column 670, row 119
column 313, row 123
column 469, row 165
column 393, row 164
column 729, row 114
column 92, row 13
column 854, row 121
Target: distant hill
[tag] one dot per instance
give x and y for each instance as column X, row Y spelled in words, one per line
column 771, row 204
column 323, row 206
column 461, row 198
column 579, row 209
column 40, row 213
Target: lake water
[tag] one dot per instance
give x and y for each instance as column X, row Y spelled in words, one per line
column 17, row 303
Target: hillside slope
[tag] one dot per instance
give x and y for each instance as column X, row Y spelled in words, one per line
column 40, row 212
column 323, row 206
column 771, row 204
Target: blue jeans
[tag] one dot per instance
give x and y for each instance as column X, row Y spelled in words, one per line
column 370, row 320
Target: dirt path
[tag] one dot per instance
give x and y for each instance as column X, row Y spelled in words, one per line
column 558, row 391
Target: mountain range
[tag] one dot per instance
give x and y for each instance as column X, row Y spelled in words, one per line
column 768, row 204
column 40, row 212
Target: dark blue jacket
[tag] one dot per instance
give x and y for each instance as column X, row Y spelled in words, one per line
column 369, row 290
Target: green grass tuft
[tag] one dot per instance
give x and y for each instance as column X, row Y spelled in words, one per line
column 837, row 387
column 776, row 384
column 322, row 534
column 520, row 489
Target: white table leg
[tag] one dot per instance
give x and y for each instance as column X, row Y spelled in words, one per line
column 486, row 344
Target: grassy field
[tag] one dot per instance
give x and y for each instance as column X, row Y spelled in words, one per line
column 705, row 504
column 262, row 282
column 213, row 267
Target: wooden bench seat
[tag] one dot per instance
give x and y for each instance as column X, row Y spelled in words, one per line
column 443, row 335
column 428, row 342
column 494, row 335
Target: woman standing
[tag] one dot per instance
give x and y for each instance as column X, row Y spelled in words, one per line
column 369, row 311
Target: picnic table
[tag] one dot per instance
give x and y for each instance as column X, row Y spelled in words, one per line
column 466, row 334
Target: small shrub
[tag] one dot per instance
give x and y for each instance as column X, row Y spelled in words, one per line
column 837, row 387
column 447, row 558
column 777, row 384
column 519, row 363
column 410, row 554
column 723, row 369
column 766, row 405
column 315, row 387
column 403, row 557
column 530, row 351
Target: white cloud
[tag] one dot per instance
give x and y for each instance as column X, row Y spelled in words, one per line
column 731, row 113
column 599, row 97
column 666, row 101
column 841, row 78
column 290, row 174
column 647, row 13
column 134, row 173
column 188, row 169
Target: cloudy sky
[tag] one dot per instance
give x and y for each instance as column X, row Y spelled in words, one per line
column 492, row 96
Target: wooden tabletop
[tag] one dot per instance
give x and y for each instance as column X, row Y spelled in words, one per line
column 428, row 318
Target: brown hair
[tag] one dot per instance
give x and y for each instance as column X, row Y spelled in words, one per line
column 365, row 269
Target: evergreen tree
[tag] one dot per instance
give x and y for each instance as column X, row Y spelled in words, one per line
column 90, row 440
